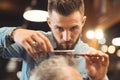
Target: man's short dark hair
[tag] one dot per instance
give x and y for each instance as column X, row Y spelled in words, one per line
column 65, row 7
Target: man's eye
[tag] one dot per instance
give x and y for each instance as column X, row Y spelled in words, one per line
column 73, row 28
column 59, row 29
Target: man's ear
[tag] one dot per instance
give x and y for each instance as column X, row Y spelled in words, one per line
column 49, row 22
column 84, row 20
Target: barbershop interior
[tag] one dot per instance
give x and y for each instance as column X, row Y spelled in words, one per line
column 101, row 30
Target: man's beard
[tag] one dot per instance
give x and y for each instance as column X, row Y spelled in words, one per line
column 68, row 45
column 72, row 60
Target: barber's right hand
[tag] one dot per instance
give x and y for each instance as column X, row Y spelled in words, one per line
column 33, row 41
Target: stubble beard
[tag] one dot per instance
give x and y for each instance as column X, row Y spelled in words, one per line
column 66, row 45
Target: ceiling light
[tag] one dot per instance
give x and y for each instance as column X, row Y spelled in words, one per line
column 36, row 15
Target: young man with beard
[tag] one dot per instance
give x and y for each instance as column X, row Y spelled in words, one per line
column 66, row 20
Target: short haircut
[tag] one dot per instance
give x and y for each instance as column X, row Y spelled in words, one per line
column 65, row 7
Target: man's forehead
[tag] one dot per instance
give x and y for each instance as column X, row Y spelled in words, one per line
column 55, row 13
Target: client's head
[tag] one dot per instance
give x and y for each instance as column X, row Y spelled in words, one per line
column 56, row 68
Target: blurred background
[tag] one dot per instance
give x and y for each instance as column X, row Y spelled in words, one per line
column 101, row 31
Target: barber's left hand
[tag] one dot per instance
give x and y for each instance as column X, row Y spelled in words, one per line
column 97, row 64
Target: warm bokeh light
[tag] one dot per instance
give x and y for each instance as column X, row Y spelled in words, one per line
column 36, row 15
column 19, row 74
column 116, row 41
column 111, row 49
column 118, row 53
column 90, row 34
column 99, row 34
column 104, row 48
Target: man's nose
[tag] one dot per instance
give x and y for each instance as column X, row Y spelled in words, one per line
column 66, row 35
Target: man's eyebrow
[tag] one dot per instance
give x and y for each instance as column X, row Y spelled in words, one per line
column 60, row 27
column 75, row 25
column 57, row 26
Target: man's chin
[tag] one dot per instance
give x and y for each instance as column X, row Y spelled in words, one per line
column 67, row 47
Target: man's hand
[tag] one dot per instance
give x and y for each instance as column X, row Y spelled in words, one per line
column 97, row 64
column 33, row 41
